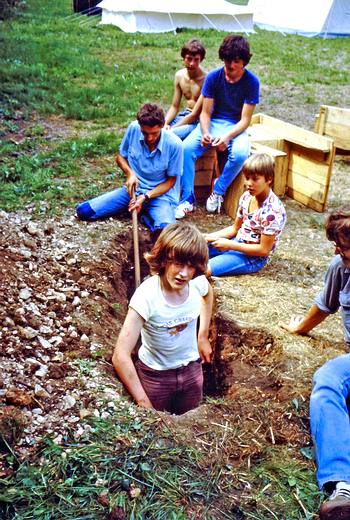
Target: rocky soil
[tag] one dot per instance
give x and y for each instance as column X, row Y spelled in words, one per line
column 60, row 307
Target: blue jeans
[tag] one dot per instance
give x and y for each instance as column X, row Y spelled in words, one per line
column 155, row 214
column 330, row 421
column 182, row 131
column 238, row 151
column 232, row 263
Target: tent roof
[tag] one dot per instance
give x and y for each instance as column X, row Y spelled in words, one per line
column 175, row 6
column 161, row 16
column 305, row 17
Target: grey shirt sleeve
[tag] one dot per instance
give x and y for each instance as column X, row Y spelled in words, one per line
column 328, row 299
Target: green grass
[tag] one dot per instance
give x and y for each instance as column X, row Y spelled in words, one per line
column 87, row 82
column 96, row 77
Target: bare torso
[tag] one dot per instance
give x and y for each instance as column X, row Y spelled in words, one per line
column 190, row 86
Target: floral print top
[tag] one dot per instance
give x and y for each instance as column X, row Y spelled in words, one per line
column 269, row 219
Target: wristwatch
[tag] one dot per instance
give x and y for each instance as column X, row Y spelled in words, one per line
column 147, row 197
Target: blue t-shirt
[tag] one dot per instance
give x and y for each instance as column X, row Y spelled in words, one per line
column 229, row 98
column 153, row 167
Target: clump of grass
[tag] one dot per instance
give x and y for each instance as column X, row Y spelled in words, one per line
column 124, row 462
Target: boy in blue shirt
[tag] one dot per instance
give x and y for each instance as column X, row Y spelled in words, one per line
column 152, row 160
column 229, row 98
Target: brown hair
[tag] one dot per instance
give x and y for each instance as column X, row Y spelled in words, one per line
column 150, row 115
column 181, row 243
column 235, row 47
column 260, row 164
column 193, row 47
column 338, row 226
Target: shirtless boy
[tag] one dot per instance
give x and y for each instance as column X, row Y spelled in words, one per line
column 188, row 83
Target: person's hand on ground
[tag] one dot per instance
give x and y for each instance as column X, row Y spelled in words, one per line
column 293, row 325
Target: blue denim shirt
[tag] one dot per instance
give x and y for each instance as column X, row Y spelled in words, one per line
column 154, row 167
column 336, row 293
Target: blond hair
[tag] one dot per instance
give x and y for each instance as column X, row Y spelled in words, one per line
column 181, row 243
column 260, row 164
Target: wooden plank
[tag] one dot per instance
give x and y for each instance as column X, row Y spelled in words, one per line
column 334, row 122
column 308, row 168
column 298, row 135
column 307, row 201
column 311, row 189
column 233, row 194
column 320, row 120
column 281, row 166
column 260, row 134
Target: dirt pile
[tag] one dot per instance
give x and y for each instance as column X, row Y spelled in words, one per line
column 60, row 306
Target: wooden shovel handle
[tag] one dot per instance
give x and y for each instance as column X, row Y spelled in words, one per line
column 135, row 236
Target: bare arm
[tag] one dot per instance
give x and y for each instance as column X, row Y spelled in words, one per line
column 205, row 119
column 262, row 249
column 204, row 346
column 131, row 178
column 303, row 325
column 175, row 104
column 227, row 232
column 163, row 187
column 122, row 361
column 222, row 141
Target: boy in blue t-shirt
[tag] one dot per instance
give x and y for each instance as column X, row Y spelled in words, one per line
column 229, row 98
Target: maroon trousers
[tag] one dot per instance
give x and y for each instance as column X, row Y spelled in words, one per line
column 176, row 390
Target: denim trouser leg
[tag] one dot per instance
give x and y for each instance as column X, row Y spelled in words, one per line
column 233, row 263
column 158, row 212
column 183, row 131
column 106, row 205
column 192, row 150
column 161, row 213
column 330, row 421
column 238, row 151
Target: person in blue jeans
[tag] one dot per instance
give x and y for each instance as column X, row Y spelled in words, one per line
column 244, row 248
column 330, row 397
column 152, row 160
column 188, row 84
column 230, row 95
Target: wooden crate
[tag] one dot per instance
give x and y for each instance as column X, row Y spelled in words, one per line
column 334, row 122
column 206, row 171
column 307, row 168
column 280, row 179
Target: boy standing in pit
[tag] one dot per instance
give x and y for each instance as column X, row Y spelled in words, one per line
column 164, row 309
column 229, row 98
column 188, row 83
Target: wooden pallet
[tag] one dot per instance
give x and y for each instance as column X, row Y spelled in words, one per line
column 334, row 122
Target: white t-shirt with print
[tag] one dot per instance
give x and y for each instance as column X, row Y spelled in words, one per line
column 169, row 334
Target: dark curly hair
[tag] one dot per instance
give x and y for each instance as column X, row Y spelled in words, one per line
column 150, row 115
column 180, row 242
column 235, row 47
column 338, row 226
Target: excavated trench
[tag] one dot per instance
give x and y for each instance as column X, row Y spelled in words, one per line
column 244, row 360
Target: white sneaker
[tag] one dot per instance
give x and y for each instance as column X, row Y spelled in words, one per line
column 214, row 203
column 182, row 209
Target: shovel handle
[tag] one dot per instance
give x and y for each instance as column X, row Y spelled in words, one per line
column 135, row 236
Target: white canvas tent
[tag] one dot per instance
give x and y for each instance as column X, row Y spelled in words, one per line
column 156, row 16
column 327, row 18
